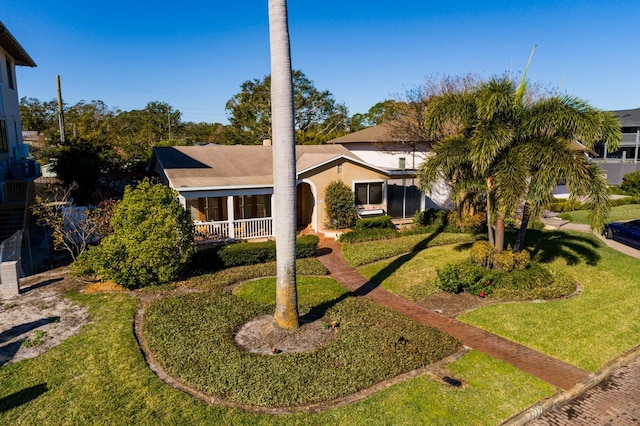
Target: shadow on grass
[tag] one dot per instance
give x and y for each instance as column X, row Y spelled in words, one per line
column 397, row 263
column 318, row 311
column 22, row 397
column 545, row 247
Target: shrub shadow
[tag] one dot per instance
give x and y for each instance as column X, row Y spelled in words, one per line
column 22, row 397
column 25, row 328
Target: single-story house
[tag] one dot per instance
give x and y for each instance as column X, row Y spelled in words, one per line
column 228, row 190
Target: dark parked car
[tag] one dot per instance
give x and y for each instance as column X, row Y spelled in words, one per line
column 625, row 232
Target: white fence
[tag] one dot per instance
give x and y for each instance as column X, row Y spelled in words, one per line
column 243, row 229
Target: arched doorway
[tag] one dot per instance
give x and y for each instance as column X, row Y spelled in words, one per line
column 305, row 201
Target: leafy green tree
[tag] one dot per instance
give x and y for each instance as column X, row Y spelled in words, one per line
column 377, row 114
column 340, row 206
column 318, row 117
column 519, row 147
column 39, row 116
column 152, row 239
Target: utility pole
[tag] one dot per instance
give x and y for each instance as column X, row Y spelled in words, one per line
column 60, row 112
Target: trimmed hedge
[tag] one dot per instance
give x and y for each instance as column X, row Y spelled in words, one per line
column 371, row 234
column 253, row 253
column 431, row 217
column 380, row 222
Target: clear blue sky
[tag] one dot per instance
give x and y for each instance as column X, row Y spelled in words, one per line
column 195, row 54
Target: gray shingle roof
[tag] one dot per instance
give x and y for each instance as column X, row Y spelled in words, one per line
column 628, row 117
column 235, row 165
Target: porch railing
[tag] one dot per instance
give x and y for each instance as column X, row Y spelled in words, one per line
column 241, row 229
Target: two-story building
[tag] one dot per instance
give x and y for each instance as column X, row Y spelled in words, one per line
column 17, row 170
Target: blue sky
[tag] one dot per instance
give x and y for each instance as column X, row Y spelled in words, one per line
column 195, row 55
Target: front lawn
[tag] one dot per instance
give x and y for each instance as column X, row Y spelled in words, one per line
column 192, row 338
column 618, row 213
column 100, row 377
column 413, row 275
column 587, row 330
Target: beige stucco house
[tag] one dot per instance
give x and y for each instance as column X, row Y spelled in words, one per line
column 228, row 190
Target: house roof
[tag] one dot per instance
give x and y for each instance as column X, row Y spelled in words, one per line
column 628, row 117
column 13, row 48
column 248, row 166
column 384, row 132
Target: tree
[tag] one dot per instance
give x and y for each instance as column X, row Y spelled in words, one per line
column 318, row 117
column 518, row 146
column 377, row 114
column 151, row 243
column 73, row 229
column 340, row 206
column 39, row 116
column 284, row 167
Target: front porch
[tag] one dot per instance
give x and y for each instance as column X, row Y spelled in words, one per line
column 241, row 229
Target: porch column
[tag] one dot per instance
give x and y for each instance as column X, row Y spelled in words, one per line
column 273, row 210
column 635, row 160
column 606, row 148
column 404, row 198
column 231, row 216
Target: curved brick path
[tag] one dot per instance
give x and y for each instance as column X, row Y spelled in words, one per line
column 551, row 370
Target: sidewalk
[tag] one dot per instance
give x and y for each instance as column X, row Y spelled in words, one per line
column 551, row 370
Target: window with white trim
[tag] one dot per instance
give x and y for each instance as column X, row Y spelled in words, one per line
column 368, row 193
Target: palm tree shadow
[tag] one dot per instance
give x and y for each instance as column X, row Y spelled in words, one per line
column 319, row 311
column 546, row 247
column 397, row 263
column 22, row 397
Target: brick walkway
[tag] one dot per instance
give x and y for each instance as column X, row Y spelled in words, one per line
column 615, row 401
column 551, row 370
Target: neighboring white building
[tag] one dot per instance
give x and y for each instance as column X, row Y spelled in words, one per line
column 14, row 163
column 382, row 146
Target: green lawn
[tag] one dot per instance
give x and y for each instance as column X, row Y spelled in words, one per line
column 413, row 275
column 619, row 213
column 587, row 330
column 100, row 377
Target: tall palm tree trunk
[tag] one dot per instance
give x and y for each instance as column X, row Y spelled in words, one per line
column 284, row 167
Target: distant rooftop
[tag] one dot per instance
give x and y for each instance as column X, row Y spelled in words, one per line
column 628, row 117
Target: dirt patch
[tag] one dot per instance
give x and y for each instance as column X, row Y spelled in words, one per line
column 452, row 305
column 40, row 318
column 262, row 336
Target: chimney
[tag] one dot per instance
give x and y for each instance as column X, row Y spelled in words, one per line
column 266, row 142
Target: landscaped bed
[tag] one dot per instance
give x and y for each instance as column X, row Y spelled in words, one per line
column 192, row 338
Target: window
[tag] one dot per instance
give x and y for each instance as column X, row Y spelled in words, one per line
column 252, row 206
column 10, row 80
column 368, row 193
column 402, row 163
column 4, row 142
column 339, row 169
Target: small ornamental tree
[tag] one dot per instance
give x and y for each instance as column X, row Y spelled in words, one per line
column 152, row 239
column 340, row 206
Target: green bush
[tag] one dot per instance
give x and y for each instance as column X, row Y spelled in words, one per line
column 484, row 255
column 431, row 217
column 631, row 183
column 561, row 206
column 459, row 277
column 481, row 254
column 467, row 221
column 624, row 201
column 371, row 234
column 380, row 222
column 152, row 239
column 245, row 253
column 340, row 206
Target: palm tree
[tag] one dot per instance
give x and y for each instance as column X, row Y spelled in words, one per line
column 519, row 147
column 284, row 167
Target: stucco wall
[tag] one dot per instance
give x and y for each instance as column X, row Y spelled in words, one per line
column 350, row 173
column 388, row 156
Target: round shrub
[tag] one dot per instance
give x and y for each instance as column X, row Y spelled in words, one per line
column 431, row 217
column 481, row 254
column 340, row 206
column 467, row 221
column 151, row 243
column 631, row 183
